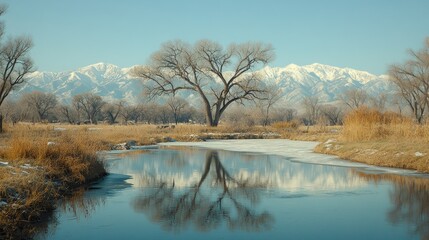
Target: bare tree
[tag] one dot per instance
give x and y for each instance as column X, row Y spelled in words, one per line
column 354, row 98
column 150, row 113
column 13, row 111
column 41, row 103
column 163, row 113
column 332, row 113
column 177, row 105
column 68, row 113
column 15, row 63
column 379, row 102
column 220, row 77
column 272, row 95
column 131, row 113
column 112, row 111
column 90, row 104
column 290, row 114
column 412, row 81
column 399, row 102
column 312, row 109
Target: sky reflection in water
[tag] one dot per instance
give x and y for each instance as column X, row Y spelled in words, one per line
column 194, row 193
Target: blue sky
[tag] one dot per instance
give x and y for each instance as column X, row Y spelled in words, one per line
column 362, row 34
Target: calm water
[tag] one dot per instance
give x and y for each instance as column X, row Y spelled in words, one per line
column 192, row 193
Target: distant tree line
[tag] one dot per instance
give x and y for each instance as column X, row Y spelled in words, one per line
column 89, row 108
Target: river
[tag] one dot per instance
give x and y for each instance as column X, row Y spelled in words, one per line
column 243, row 189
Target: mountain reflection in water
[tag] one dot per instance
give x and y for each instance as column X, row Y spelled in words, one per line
column 186, row 189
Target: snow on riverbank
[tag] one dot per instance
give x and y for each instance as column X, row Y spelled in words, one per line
column 298, row 151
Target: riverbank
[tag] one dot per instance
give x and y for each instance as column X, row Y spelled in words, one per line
column 382, row 139
column 36, row 171
column 395, row 153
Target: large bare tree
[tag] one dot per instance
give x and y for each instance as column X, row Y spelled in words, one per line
column 218, row 76
column 15, row 63
column 412, row 80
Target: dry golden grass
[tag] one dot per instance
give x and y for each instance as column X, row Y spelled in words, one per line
column 64, row 156
column 42, row 165
column 366, row 124
column 289, row 125
column 382, row 139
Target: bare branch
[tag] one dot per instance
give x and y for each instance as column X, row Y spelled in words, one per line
column 412, row 81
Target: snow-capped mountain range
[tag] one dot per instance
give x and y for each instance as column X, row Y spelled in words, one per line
column 112, row 82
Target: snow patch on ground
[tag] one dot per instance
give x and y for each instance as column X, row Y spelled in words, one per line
column 419, row 154
column 298, row 151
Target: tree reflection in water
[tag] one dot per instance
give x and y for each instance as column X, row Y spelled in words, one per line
column 410, row 201
column 224, row 200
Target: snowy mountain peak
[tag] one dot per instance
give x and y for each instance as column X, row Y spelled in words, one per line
column 296, row 82
column 101, row 68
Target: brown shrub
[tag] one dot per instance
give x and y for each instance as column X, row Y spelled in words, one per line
column 292, row 125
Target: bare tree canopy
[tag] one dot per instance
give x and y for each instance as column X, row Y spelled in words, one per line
column 412, row 80
column 311, row 105
column 219, row 76
column 332, row 113
column 354, row 98
column 90, row 104
column 15, row 62
column 272, row 95
column 176, row 105
column 41, row 103
column 112, row 110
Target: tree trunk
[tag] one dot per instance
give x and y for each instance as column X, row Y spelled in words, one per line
column 215, row 121
column 1, row 123
column 209, row 118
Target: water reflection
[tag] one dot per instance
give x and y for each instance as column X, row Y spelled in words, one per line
column 81, row 203
column 225, row 200
column 190, row 188
column 184, row 166
column 410, row 201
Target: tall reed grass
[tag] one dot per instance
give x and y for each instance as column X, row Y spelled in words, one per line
column 365, row 124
